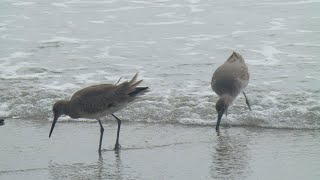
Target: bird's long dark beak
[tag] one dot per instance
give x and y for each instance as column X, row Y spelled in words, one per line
column 220, row 113
column 53, row 124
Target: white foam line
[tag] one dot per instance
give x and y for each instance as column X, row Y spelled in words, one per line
column 306, row 44
column 21, row 3
column 90, row 2
column 193, row 1
column 12, row 71
column 177, row 37
column 204, row 37
column 195, row 8
column 122, row 9
column 16, row 16
column 304, row 31
column 81, row 78
column 144, row 2
column 7, row 36
column 96, row 22
column 197, row 22
column 17, row 55
column 168, row 14
column 309, row 77
column 192, row 53
column 57, row 86
column 61, row 39
column 276, row 25
column 128, row 65
column 302, row 56
column 162, row 23
column 169, row 6
column 237, row 32
column 59, row 5
column 29, row 76
column 291, row 3
column 269, row 52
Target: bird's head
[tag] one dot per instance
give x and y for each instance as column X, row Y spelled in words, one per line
column 222, row 106
column 58, row 109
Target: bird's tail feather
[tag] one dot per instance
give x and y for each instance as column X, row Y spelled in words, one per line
column 134, row 79
column 130, row 87
column 235, row 57
column 137, row 90
column 135, row 84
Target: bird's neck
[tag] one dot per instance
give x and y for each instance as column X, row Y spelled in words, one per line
column 66, row 107
column 227, row 99
column 69, row 110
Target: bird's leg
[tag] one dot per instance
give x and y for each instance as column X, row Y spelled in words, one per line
column 220, row 114
column 247, row 101
column 218, row 132
column 118, row 81
column 117, row 145
column 101, row 134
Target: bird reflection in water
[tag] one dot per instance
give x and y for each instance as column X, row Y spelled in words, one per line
column 112, row 168
column 230, row 157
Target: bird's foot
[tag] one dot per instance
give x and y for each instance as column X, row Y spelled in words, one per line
column 117, row 147
column 1, row 122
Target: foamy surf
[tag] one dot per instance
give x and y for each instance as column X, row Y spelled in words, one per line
column 271, row 111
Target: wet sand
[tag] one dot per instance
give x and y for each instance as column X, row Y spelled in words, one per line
column 155, row 151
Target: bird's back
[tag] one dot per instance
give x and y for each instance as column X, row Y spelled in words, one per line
column 231, row 77
column 99, row 100
column 101, row 90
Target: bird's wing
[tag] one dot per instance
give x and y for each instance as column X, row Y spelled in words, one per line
column 95, row 99
column 99, row 98
column 230, row 79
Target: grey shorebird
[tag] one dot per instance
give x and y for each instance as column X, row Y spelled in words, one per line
column 228, row 81
column 97, row 101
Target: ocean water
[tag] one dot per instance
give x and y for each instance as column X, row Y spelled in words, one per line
column 50, row 49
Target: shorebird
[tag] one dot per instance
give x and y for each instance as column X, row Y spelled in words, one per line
column 228, row 81
column 97, row 101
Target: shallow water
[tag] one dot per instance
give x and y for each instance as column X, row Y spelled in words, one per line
column 156, row 151
column 49, row 50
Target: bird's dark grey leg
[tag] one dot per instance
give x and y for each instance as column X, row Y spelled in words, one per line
column 247, row 101
column 1, row 122
column 118, row 81
column 101, row 134
column 117, row 145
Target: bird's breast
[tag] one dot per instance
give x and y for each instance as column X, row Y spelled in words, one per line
column 99, row 113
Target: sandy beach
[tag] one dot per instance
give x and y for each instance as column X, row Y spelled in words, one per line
column 49, row 50
column 155, row 151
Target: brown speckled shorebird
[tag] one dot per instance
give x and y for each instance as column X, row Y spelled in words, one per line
column 228, row 81
column 97, row 101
